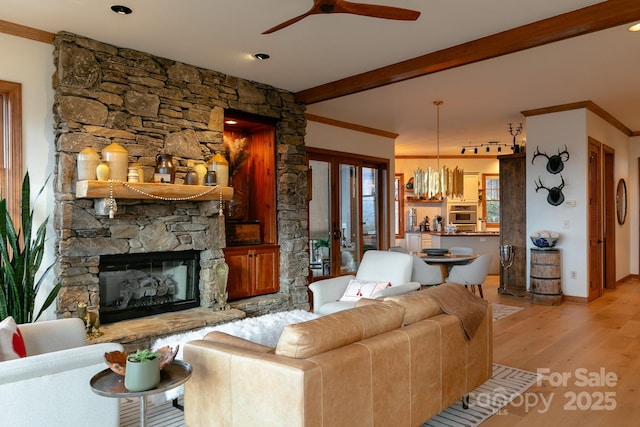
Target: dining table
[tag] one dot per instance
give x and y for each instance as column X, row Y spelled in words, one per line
column 446, row 261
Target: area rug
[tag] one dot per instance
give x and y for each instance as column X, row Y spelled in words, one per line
column 505, row 385
column 500, row 311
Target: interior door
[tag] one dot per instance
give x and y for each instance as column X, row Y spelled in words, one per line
column 609, row 198
column 594, row 221
column 345, row 217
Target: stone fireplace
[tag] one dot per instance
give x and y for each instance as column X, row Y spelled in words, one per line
column 147, row 104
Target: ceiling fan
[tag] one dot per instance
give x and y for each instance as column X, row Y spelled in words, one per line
column 343, row 6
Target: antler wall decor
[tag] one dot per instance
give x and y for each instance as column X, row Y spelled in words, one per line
column 555, row 196
column 555, row 163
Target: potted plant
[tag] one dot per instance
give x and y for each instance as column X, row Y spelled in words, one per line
column 20, row 259
column 321, row 248
column 142, row 371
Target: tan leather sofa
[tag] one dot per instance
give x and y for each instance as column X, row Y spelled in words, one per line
column 396, row 362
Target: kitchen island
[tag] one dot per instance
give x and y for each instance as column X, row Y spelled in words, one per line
column 480, row 242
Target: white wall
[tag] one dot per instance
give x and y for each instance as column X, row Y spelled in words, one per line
column 31, row 64
column 320, row 135
column 550, row 133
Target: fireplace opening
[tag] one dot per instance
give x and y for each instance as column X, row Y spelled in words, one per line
column 138, row 285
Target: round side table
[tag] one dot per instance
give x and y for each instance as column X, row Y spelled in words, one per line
column 108, row 383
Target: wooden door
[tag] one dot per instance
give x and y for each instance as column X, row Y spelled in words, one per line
column 266, row 275
column 594, row 223
column 609, row 219
column 239, row 282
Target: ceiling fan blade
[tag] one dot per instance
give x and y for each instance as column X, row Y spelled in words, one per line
column 289, row 22
column 378, row 11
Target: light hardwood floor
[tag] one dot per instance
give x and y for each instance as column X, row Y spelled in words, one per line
column 591, row 353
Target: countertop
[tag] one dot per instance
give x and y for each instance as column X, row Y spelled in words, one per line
column 460, row 234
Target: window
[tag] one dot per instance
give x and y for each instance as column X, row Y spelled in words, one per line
column 491, row 200
column 11, row 140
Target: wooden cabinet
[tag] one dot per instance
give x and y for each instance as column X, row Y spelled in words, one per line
column 470, row 194
column 253, row 270
column 513, row 221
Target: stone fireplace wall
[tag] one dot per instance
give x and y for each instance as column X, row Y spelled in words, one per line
column 106, row 94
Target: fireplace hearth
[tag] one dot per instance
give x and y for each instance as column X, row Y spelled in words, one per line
column 138, row 285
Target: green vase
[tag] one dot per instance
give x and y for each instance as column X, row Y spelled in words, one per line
column 142, row 376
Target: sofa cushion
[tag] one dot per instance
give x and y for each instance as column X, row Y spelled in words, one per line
column 11, row 342
column 357, row 289
column 418, row 305
column 335, row 330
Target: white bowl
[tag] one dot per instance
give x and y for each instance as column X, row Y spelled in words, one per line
column 544, row 242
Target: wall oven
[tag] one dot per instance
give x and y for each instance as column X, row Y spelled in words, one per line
column 463, row 214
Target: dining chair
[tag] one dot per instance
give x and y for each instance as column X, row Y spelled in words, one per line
column 472, row 274
column 425, row 274
column 457, row 250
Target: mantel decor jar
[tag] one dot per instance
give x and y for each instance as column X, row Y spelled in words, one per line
column 220, row 166
column 117, row 157
column 102, row 171
column 165, row 171
column 88, row 161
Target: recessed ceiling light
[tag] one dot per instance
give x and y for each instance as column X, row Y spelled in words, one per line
column 634, row 28
column 231, row 122
column 261, row 56
column 121, row 10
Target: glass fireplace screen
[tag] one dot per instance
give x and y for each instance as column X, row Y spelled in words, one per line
column 138, row 285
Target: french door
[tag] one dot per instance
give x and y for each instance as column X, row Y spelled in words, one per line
column 346, row 214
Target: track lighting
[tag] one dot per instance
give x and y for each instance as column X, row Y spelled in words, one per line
column 487, row 147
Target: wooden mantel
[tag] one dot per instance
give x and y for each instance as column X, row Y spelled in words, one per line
column 149, row 191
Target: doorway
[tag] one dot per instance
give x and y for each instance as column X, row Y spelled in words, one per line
column 346, row 211
column 595, row 254
column 609, row 232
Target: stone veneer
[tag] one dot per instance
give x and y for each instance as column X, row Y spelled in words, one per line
column 106, row 94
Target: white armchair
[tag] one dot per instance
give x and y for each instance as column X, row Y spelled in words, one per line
column 50, row 387
column 381, row 266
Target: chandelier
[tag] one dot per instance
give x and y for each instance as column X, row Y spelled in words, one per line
column 439, row 182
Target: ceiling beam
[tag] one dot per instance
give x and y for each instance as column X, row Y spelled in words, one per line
column 351, row 126
column 26, row 32
column 590, row 19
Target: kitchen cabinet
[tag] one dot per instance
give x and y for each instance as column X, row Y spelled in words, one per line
column 470, row 192
column 253, row 270
column 480, row 243
column 416, row 241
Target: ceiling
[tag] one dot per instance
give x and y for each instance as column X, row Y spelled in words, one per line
column 480, row 99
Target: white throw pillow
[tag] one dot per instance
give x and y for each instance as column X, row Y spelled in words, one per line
column 362, row 289
column 11, row 342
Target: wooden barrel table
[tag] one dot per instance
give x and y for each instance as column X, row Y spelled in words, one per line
column 546, row 277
